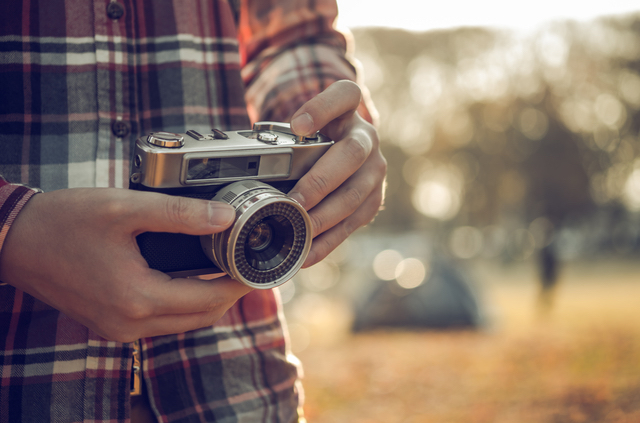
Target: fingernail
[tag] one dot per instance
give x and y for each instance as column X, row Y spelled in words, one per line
column 298, row 197
column 221, row 214
column 302, row 124
column 310, row 260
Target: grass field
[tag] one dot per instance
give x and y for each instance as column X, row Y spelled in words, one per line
column 578, row 363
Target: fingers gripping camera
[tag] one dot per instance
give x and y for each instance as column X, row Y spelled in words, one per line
column 251, row 170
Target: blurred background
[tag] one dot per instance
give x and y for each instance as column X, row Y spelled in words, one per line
column 501, row 283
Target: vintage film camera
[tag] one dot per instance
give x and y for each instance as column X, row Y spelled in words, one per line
column 251, row 170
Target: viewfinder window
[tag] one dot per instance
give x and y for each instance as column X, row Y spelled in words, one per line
column 223, row 167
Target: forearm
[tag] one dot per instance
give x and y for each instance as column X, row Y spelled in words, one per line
column 290, row 56
column 292, row 79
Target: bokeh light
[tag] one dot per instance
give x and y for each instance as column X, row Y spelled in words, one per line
column 410, row 273
column 533, row 123
column 320, row 277
column 287, row 291
column 438, row 192
column 466, row 242
column 632, row 188
column 385, row 264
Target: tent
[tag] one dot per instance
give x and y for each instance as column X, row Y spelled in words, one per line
column 445, row 300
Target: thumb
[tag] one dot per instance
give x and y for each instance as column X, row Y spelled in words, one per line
column 166, row 213
column 340, row 100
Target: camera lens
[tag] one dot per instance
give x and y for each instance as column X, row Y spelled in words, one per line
column 269, row 243
column 269, row 240
column 274, row 259
column 260, row 237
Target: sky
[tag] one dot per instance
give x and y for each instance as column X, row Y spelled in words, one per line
column 422, row 15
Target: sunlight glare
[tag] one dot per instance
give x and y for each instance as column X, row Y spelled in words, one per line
column 415, row 15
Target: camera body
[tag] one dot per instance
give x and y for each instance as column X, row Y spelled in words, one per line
column 252, row 170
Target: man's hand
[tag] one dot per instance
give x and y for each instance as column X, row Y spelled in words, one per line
column 75, row 250
column 345, row 188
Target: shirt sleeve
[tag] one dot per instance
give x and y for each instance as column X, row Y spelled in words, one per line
column 290, row 52
column 12, row 199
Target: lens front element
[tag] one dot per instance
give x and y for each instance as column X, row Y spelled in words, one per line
column 260, row 237
column 269, row 242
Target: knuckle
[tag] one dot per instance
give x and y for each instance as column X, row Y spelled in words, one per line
column 177, row 209
column 352, row 198
column 215, row 309
column 318, row 183
column 126, row 308
column 382, row 162
column 382, row 166
column 372, row 132
column 116, row 209
column 356, row 221
column 138, row 311
column 323, row 248
column 377, row 202
column 348, row 227
column 214, row 305
column 317, row 222
column 357, row 148
column 210, row 318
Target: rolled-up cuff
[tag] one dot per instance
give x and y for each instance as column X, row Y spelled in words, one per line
column 12, row 200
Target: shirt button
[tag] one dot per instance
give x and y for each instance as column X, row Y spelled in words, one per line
column 115, row 10
column 120, row 128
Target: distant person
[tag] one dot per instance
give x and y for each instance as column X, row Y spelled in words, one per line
column 548, row 265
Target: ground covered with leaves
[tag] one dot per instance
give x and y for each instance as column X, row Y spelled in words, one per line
column 579, row 362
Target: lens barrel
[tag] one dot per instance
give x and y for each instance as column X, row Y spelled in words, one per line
column 269, row 240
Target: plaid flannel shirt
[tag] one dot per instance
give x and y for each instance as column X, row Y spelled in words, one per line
column 79, row 82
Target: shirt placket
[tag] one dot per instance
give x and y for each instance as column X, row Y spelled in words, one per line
column 113, row 84
column 136, row 370
column 113, row 65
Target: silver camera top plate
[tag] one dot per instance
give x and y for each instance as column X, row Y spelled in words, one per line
column 270, row 151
